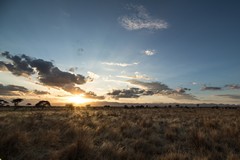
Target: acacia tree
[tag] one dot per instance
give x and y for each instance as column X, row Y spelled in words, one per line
column 16, row 101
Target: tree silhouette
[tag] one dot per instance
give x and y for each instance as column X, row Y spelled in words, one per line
column 43, row 104
column 16, row 101
column 28, row 104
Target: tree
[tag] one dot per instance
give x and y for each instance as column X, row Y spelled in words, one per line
column 43, row 104
column 16, row 101
column 28, row 104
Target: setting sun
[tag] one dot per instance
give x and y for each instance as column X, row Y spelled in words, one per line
column 79, row 99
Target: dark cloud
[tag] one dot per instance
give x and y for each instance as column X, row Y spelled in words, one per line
column 129, row 93
column 73, row 69
column 92, row 95
column 232, row 86
column 58, row 78
column 12, row 90
column 48, row 74
column 3, row 66
column 19, row 65
column 37, row 92
column 208, row 88
column 162, row 89
column 231, row 96
column 151, row 88
column 155, row 87
column 181, row 96
column 182, row 90
column 71, row 88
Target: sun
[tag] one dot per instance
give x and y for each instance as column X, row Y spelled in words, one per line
column 79, row 99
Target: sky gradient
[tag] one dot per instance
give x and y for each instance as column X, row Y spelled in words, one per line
column 120, row 51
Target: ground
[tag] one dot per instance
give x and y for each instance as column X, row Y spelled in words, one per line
column 118, row 133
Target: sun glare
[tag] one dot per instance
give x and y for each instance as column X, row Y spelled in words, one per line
column 79, row 99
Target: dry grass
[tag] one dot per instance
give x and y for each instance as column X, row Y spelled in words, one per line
column 168, row 134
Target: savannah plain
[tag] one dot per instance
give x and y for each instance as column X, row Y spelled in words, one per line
column 120, row 134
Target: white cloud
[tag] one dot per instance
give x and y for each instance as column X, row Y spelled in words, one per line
column 93, row 75
column 194, row 83
column 149, row 52
column 120, row 64
column 141, row 20
column 136, row 75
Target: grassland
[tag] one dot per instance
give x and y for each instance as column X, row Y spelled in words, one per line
column 107, row 133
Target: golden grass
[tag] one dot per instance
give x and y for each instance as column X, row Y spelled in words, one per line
column 107, row 133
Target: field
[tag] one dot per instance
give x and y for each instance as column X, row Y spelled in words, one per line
column 118, row 133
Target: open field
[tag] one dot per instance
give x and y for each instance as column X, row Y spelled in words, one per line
column 117, row 133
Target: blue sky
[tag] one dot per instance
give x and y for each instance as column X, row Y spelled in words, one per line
column 190, row 46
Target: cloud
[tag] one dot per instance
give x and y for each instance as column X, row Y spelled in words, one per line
column 151, row 88
column 182, row 90
column 92, row 95
column 73, row 69
column 19, row 67
column 12, row 90
column 156, row 87
column 71, row 88
column 3, row 66
column 194, row 83
column 120, row 64
column 163, row 89
column 77, row 90
column 129, row 93
column 93, row 75
column 48, row 74
column 149, row 52
column 231, row 96
column 136, row 75
column 182, row 96
column 232, row 86
column 37, row 92
column 141, row 19
column 208, row 88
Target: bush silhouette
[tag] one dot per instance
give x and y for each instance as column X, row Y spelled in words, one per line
column 43, row 104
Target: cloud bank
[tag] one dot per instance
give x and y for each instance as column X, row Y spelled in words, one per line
column 232, row 86
column 14, row 90
column 226, row 87
column 210, row 88
column 129, row 93
column 48, row 74
column 231, row 96
column 151, row 88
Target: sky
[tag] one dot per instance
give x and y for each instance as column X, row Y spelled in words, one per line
column 128, row 51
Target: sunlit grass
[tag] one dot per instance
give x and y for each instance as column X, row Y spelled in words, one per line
column 87, row 133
